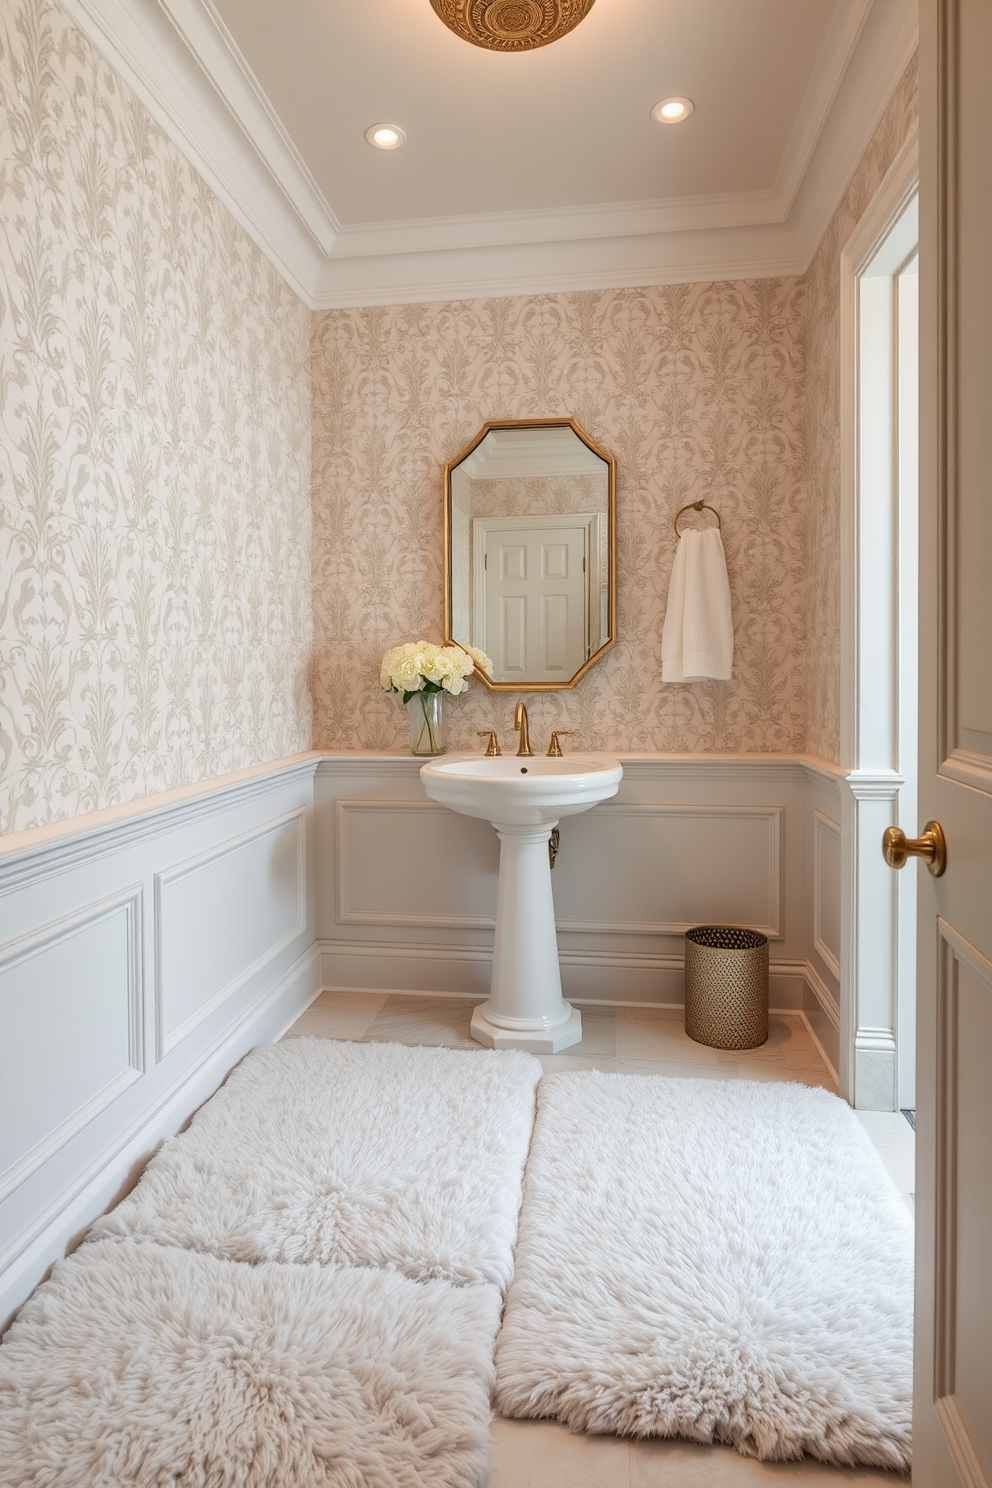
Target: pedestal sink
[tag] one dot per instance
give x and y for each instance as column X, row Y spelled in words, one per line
column 524, row 798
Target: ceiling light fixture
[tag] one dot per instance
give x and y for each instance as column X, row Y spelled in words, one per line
column 385, row 136
column 511, row 25
column 672, row 110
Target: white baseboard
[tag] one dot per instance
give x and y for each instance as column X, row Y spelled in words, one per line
column 589, row 978
column 822, row 1019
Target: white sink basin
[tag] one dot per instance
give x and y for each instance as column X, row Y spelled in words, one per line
column 523, row 798
column 511, row 789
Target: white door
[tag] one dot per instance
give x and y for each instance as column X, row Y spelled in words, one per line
column 536, row 613
column 953, row 1385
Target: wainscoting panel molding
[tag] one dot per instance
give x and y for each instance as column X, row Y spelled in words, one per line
column 144, row 949
column 826, row 892
column 192, row 917
column 215, row 930
column 670, row 867
column 405, row 863
column 71, row 1004
column 406, row 892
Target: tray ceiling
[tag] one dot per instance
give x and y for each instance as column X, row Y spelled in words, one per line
column 528, row 172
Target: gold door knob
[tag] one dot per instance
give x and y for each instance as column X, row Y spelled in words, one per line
column 897, row 848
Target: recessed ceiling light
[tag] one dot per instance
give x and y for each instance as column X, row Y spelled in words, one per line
column 385, row 136
column 672, row 110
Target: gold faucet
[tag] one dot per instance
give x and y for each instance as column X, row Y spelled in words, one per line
column 492, row 748
column 520, row 722
column 554, row 748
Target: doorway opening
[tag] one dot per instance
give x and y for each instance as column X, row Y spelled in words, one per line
column 880, row 434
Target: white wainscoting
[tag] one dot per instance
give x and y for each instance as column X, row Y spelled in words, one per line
column 142, row 952
column 406, row 891
column 826, row 892
column 822, row 1004
column 145, row 949
column 222, row 916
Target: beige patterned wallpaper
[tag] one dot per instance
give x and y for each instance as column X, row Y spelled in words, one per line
column 155, row 434
column 822, row 541
column 155, row 616
column 696, row 389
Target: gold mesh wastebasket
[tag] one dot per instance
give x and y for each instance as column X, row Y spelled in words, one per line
column 726, row 986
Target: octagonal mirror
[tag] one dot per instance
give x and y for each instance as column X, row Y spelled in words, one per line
column 530, row 552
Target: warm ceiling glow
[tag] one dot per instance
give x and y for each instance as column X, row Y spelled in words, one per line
column 672, row 110
column 385, row 136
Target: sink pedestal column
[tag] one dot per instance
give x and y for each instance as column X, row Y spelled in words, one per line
column 525, row 1009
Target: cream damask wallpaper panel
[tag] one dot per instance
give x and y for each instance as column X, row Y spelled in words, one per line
column 155, row 618
column 823, row 422
column 698, row 392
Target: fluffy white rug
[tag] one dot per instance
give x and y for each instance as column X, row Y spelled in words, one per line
column 720, row 1260
column 138, row 1366
column 361, row 1154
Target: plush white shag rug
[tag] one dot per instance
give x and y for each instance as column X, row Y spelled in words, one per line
column 137, row 1366
column 371, row 1154
column 720, row 1260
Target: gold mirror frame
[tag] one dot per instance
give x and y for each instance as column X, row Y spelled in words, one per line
column 611, row 465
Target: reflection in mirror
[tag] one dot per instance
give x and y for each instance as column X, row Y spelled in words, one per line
column 530, row 552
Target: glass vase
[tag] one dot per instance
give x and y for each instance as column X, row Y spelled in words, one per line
column 425, row 716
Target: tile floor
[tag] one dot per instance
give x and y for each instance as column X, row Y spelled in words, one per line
column 647, row 1041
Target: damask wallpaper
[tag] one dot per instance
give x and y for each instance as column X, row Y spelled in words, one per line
column 698, row 392
column 822, row 540
column 155, row 443
column 155, row 618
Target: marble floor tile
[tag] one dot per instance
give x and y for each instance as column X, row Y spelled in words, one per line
column 560, row 1064
column 332, row 1023
column 598, row 1033
column 760, row 1055
column 435, row 1021
column 641, row 1039
column 900, row 1164
column 373, row 1000
column 757, row 1069
column 652, row 1015
column 888, row 1128
column 679, row 1069
column 678, row 1464
column 542, row 1454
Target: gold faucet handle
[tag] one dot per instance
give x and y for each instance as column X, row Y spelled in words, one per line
column 554, row 748
column 492, row 748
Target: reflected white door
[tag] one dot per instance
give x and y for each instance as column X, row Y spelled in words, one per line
column 536, row 614
column 953, row 1384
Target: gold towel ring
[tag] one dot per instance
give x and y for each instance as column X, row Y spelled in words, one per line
column 695, row 506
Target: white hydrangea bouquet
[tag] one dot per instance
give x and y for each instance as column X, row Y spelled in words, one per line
column 421, row 673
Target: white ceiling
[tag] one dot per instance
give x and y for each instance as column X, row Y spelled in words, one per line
column 521, row 173
column 566, row 125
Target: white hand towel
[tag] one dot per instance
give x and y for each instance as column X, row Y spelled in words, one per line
column 698, row 638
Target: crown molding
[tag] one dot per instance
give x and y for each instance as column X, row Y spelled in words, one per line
column 831, row 68
column 556, row 267
column 556, row 225
column 181, row 61
column 886, row 47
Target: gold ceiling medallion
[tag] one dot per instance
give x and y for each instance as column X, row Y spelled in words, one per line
column 511, row 25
